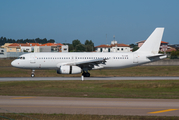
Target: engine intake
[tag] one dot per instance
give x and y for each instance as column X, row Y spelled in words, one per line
column 69, row 70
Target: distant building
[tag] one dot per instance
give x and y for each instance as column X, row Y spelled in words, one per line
column 163, row 46
column 114, row 47
column 19, row 47
column 176, row 46
column 3, row 53
column 42, row 49
column 6, row 45
column 64, row 48
column 55, row 47
column 33, row 47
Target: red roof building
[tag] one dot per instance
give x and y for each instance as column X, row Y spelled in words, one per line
column 163, row 46
column 29, row 47
column 114, row 47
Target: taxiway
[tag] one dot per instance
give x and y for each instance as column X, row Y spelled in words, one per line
column 96, row 106
column 86, row 78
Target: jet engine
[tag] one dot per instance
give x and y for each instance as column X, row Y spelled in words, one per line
column 69, row 70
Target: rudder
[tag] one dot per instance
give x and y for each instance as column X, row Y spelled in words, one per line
column 152, row 44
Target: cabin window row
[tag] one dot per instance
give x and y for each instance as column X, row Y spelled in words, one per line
column 73, row 58
column 82, row 58
column 53, row 58
column 120, row 58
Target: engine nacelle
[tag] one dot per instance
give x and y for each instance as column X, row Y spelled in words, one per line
column 69, row 70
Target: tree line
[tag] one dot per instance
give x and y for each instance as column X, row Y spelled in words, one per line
column 174, row 54
column 4, row 40
column 77, row 46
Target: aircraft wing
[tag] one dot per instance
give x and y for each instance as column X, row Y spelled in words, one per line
column 95, row 61
column 89, row 64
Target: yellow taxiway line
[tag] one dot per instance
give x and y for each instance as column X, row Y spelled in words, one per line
column 161, row 111
column 22, row 97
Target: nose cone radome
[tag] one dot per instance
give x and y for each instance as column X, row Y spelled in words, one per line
column 14, row 63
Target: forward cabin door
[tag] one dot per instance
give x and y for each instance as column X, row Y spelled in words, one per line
column 32, row 58
column 135, row 58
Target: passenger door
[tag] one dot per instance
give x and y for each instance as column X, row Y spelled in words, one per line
column 32, row 58
column 135, row 58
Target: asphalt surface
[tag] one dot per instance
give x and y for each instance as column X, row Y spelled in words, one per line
column 97, row 106
column 86, row 78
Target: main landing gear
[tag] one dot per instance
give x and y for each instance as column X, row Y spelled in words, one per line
column 86, row 74
column 33, row 73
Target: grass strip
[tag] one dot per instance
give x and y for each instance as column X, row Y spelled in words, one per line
column 82, row 117
column 133, row 71
column 162, row 89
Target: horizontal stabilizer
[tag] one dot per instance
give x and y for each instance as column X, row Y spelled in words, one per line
column 156, row 56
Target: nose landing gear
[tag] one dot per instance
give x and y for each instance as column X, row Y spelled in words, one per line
column 33, row 73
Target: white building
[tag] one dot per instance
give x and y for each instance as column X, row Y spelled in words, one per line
column 64, row 48
column 26, row 48
column 42, row 49
column 114, row 47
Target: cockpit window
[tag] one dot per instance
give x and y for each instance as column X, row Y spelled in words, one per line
column 21, row 58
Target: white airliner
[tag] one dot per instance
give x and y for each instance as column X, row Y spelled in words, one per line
column 82, row 62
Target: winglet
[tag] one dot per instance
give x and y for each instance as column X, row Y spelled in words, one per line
column 152, row 44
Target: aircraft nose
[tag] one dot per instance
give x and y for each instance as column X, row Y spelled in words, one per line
column 14, row 63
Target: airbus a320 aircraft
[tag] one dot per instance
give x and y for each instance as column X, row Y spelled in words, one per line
column 82, row 62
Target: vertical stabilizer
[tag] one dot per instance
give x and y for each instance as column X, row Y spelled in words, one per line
column 152, row 44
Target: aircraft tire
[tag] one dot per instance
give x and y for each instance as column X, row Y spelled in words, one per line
column 86, row 74
column 32, row 75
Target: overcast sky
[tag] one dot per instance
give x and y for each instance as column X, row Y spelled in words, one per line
column 66, row 20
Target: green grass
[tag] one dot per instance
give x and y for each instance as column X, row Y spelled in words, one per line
column 164, row 89
column 133, row 71
column 31, row 116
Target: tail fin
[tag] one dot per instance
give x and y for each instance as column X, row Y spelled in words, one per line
column 152, row 44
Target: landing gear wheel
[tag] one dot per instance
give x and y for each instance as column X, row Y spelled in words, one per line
column 87, row 74
column 83, row 74
column 32, row 75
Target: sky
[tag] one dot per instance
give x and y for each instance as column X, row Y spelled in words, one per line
column 97, row 20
